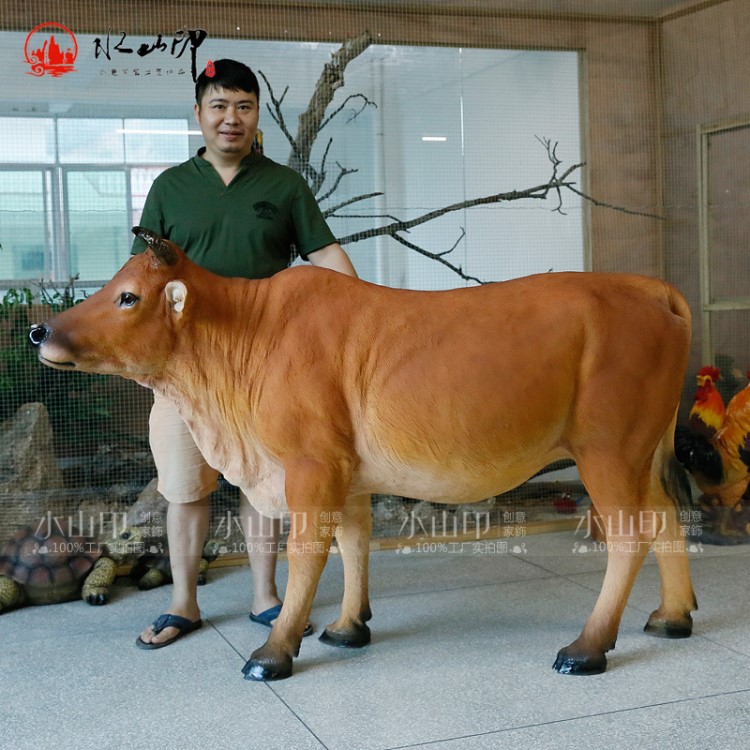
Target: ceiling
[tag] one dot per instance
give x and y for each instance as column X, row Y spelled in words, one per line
column 619, row 8
column 597, row 8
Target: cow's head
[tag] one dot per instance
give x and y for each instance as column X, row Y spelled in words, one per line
column 127, row 328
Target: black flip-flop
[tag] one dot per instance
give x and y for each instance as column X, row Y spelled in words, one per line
column 267, row 618
column 183, row 625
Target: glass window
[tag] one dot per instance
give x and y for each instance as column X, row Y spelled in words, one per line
column 27, row 140
column 97, row 209
column 22, row 225
column 412, row 142
column 90, row 141
column 141, row 179
column 156, row 141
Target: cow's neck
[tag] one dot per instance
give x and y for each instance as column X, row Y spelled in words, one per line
column 220, row 330
column 214, row 374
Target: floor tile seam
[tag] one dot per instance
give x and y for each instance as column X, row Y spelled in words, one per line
column 583, row 717
column 468, row 587
column 597, row 589
column 78, row 633
column 539, row 566
column 223, row 637
column 722, row 645
column 297, row 716
column 121, row 630
column 642, row 611
column 269, row 687
column 397, row 595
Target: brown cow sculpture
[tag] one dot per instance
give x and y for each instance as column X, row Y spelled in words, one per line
column 311, row 389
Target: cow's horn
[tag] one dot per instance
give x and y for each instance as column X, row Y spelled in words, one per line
column 162, row 249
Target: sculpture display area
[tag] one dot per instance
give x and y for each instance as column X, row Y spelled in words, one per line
column 714, row 446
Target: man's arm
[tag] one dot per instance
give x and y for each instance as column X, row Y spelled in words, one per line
column 151, row 218
column 333, row 256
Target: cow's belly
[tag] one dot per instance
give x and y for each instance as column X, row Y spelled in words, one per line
column 444, row 484
column 262, row 478
column 265, row 486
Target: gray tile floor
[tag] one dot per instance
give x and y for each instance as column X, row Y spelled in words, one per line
column 460, row 660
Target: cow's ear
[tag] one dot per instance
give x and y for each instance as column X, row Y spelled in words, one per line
column 176, row 293
column 162, row 248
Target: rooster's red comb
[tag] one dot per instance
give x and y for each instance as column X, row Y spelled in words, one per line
column 709, row 371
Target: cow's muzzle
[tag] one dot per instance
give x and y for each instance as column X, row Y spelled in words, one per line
column 38, row 334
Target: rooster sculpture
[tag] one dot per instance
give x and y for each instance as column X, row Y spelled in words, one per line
column 707, row 415
column 715, row 446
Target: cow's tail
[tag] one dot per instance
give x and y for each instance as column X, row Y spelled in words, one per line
column 676, row 483
column 669, row 472
column 670, row 542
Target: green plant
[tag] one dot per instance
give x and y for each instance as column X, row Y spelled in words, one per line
column 19, row 381
column 80, row 405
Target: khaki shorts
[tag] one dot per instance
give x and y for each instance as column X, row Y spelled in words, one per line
column 184, row 475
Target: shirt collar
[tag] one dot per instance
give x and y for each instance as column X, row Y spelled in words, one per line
column 246, row 161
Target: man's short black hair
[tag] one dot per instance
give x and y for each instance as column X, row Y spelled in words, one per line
column 230, row 75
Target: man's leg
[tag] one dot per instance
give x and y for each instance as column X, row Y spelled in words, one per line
column 187, row 526
column 262, row 539
column 186, row 481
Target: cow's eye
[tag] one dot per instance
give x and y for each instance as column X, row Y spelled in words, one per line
column 128, row 299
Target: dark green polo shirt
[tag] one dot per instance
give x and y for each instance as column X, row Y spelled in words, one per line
column 245, row 228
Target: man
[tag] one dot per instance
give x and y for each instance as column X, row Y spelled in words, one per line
column 235, row 213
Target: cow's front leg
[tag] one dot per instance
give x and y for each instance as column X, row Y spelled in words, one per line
column 314, row 491
column 586, row 655
column 353, row 536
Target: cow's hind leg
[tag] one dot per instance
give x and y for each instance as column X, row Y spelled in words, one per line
column 672, row 619
column 617, row 501
column 315, row 491
column 353, row 536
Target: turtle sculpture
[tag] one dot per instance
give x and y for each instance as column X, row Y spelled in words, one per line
column 152, row 568
column 49, row 565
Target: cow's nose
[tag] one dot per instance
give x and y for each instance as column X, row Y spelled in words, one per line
column 38, row 333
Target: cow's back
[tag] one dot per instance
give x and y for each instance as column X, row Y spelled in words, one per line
column 444, row 393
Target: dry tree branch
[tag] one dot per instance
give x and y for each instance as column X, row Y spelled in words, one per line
column 621, row 209
column 302, row 144
column 343, row 172
column 313, row 120
column 331, row 79
column 538, row 192
column 330, row 213
column 439, row 256
column 314, row 177
column 276, row 113
column 557, row 183
column 552, row 154
column 356, row 113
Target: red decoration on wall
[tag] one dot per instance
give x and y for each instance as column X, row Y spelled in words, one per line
column 46, row 54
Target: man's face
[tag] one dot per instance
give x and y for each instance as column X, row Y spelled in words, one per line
column 228, row 121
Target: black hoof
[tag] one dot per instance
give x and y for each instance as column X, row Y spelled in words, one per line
column 265, row 671
column 354, row 638
column 664, row 629
column 579, row 664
